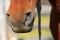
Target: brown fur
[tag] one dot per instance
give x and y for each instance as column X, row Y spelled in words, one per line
column 55, row 19
column 18, row 8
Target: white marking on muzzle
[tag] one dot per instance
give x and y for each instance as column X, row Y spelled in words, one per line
column 29, row 19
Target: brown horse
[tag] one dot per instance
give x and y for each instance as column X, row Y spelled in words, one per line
column 55, row 19
column 20, row 15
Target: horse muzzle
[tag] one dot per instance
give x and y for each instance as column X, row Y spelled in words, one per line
column 21, row 27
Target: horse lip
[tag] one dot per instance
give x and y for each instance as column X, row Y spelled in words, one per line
column 18, row 30
column 22, row 30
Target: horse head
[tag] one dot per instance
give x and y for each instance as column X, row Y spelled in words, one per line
column 20, row 15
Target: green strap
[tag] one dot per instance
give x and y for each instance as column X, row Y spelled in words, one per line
column 39, row 18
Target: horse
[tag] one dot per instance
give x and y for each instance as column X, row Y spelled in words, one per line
column 55, row 19
column 20, row 15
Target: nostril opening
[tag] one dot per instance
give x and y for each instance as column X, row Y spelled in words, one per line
column 7, row 14
column 28, row 13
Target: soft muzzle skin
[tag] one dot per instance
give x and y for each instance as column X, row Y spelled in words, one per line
column 23, row 28
column 20, row 27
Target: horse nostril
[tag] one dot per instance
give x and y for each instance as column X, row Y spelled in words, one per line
column 28, row 13
column 7, row 14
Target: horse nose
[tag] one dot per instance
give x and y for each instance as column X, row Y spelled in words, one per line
column 8, row 14
column 28, row 13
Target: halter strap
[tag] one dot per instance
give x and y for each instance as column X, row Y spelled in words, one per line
column 39, row 18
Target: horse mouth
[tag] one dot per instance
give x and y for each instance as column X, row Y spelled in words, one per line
column 21, row 27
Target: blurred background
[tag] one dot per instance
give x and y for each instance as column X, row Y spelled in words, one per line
column 33, row 35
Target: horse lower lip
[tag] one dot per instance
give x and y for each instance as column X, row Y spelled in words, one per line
column 22, row 29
